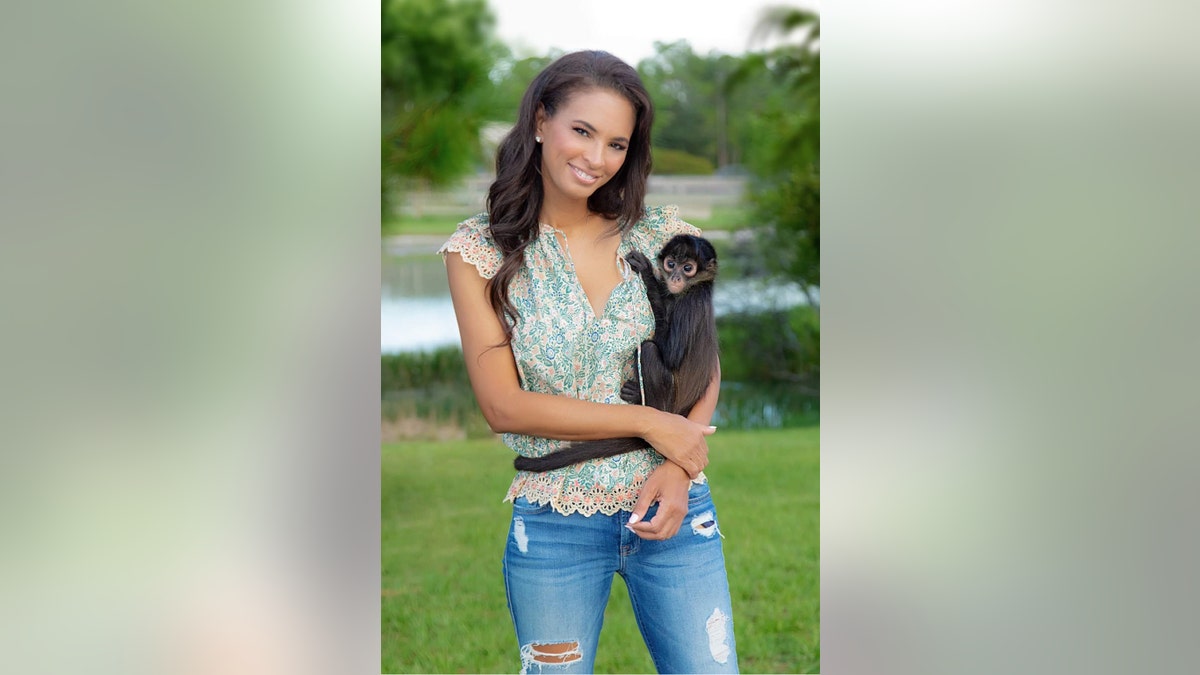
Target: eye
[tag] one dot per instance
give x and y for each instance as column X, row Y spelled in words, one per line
column 669, row 264
column 689, row 269
column 581, row 131
column 617, row 146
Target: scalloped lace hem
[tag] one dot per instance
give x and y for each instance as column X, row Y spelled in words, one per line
column 582, row 509
column 470, row 254
column 578, row 500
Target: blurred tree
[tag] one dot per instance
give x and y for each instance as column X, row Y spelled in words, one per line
column 677, row 162
column 782, row 145
column 784, row 150
column 512, row 76
column 435, row 56
column 690, row 100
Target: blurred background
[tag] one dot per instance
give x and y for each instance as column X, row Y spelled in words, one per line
column 192, row 466
column 736, row 88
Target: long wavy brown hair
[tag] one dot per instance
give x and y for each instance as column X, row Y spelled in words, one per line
column 514, row 199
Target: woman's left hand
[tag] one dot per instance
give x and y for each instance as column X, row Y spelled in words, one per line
column 668, row 486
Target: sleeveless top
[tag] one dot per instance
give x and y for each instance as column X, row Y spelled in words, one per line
column 561, row 347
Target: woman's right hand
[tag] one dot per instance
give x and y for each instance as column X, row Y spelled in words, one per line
column 681, row 441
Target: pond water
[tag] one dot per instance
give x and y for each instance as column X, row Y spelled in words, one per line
column 416, row 313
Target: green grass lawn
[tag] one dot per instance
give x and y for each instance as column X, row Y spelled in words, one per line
column 440, row 225
column 722, row 218
column 444, row 530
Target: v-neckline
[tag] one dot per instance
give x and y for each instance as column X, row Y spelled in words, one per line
column 564, row 248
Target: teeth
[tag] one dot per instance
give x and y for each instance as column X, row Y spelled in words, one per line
column 584, row 176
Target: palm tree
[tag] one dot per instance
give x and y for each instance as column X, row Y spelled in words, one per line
column 786, row 193
column 783, row 156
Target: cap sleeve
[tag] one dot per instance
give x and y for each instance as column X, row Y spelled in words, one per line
column 473, row 241
column 657, row 227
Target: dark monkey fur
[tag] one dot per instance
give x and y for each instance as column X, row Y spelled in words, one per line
column 679, row 362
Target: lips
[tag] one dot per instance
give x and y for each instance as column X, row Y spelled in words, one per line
column 584, row 176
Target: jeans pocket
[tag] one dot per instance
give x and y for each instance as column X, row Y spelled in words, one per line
column 698, row 493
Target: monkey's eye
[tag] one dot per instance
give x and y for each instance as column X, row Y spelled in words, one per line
column 669, row 264
column 689, row 269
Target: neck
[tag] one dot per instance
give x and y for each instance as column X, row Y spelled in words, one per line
column 570, row 222
column 560, row 211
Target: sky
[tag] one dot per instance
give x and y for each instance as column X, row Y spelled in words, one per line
column 629, row 28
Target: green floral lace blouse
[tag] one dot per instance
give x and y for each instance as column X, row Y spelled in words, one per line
column 562, row 347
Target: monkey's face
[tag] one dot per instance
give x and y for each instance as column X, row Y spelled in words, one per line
column 678, row 273
column 685, row 262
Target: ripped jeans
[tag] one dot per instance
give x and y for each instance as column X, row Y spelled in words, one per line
column 558, row 572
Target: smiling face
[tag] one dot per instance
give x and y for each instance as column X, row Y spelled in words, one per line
column 584, row 143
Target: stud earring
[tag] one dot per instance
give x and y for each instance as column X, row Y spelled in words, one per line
column 538, row 139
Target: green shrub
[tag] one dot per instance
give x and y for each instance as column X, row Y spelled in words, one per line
column 678, row 162
column 778, row 346
column 428, row 395
column 400, row 372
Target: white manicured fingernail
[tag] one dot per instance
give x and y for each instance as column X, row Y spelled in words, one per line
column 634, row 518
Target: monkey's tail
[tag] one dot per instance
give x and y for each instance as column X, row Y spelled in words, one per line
column 579, row 451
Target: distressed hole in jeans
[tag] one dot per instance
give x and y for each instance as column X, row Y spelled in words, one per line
column 715, row 627
column 519, row 534
column 549, row 654
column 705, row 524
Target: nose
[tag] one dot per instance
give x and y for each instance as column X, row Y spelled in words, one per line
column 594, row 154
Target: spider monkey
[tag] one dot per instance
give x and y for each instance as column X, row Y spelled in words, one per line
column 678, row 364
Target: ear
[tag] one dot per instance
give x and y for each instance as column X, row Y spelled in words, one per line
column 541, row 119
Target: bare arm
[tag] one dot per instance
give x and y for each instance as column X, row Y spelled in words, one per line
column 508, row 408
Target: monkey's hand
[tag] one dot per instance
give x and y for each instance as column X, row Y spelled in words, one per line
column 631, row 391
column 638, row 261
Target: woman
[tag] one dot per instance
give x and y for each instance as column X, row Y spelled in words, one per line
column 550, row 315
